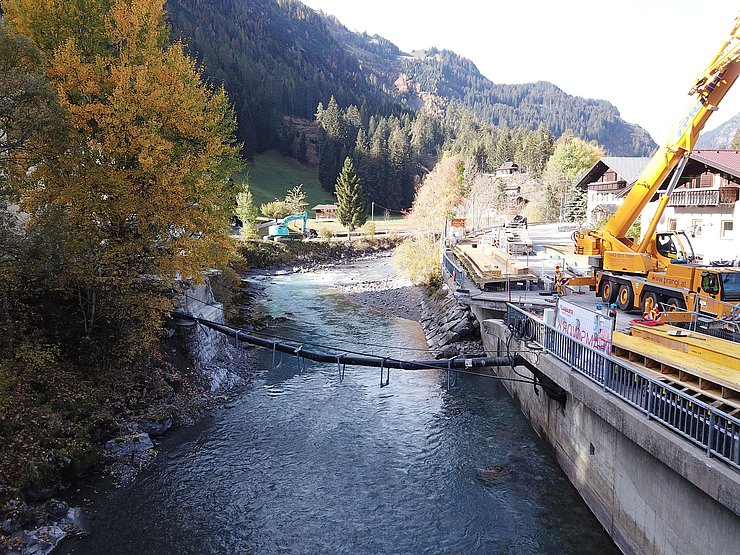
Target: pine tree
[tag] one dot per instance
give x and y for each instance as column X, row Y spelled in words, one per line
column 351, row 205
column 575, row 205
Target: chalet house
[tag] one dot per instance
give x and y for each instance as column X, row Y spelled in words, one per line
column 325, row 211
column 507, row 168
column 607, row 182
column 704, row 204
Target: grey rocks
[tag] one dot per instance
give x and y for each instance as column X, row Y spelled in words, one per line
column 450, row 328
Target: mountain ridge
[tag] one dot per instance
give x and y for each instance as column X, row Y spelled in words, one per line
column 281, row 58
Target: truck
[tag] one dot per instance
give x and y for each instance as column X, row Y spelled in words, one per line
column 662, row 270
column 280, row 231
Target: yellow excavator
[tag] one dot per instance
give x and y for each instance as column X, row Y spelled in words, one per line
column 660, row 269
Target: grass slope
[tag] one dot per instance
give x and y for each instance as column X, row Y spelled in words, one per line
column 272, row 175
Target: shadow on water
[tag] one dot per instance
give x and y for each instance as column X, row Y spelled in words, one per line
column 306, row 464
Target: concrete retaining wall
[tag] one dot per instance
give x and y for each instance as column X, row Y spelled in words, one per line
column 202, row 344
column 653, row 492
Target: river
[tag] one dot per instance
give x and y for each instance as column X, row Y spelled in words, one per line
column 305, row 464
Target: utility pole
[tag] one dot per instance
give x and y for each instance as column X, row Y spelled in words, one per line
column 372, row 211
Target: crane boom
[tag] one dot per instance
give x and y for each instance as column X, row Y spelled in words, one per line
column 662, row 268
column 708, row 91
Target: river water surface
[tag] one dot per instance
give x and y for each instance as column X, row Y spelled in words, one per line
column 305, row 464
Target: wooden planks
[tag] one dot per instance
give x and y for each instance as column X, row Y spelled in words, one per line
column 684, row 364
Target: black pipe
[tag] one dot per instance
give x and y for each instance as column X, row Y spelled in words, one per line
column 552, row 390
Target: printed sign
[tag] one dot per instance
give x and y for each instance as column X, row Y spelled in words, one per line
column 584, row 325
column 458, row 222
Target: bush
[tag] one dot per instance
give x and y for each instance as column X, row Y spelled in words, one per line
column 418, row 260
column 325, row 232
column 369, row 229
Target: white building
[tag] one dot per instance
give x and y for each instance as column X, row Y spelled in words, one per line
column 704, row 205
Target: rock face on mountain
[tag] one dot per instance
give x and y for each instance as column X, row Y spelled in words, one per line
column 721, row 137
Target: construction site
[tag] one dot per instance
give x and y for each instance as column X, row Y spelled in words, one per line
column 639, row 336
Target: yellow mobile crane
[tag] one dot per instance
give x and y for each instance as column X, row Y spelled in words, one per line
column 661, row 268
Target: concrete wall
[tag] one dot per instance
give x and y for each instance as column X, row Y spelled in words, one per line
column 202, row 344
column 653, row 492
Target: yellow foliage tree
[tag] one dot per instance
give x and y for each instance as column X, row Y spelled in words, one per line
column 435, row 203
column 142, row 189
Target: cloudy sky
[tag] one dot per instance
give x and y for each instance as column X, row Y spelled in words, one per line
column 641, row 55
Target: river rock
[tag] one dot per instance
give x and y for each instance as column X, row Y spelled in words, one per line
column 155, row 428
column 493, row 474
column 56, row 509
column 129, row 447
column 37, row 542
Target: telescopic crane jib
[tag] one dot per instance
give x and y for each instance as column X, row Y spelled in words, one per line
column 660, row 269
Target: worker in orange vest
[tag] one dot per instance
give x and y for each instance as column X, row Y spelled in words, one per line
column 560, row 281
column 653, row 314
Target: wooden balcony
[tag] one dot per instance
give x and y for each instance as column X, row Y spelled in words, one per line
column 705, row 197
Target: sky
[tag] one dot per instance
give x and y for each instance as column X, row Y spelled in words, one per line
column 640, row 55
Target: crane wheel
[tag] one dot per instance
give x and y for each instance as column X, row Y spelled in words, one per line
column 674, row 304
column 609, row 291
column 625, row 297
column 650, row 301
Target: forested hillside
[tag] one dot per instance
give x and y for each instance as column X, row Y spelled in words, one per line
column 275, row 59
column 279, row 57
column 448, row 75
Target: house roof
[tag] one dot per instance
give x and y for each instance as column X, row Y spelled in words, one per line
column 627, row 168
column 724, row 162
column 509, row 166
column 325, row 207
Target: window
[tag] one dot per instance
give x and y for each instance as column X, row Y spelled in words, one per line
column 725, row 229
column 672, row 224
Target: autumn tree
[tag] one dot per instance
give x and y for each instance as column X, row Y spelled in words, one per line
column 246, row 211
column 275, row 210
column 295, row 199
column 142, row 187
column 571, row 157
column 351, row 205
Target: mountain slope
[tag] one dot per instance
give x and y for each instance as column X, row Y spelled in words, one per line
column 280, row 58
column 721, row 137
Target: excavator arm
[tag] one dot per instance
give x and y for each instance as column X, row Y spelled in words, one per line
column 708, row 91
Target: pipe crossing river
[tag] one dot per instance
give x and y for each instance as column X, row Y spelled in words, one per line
column 305, row 464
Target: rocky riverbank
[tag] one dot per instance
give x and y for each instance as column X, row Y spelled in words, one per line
column 200, row 372
column 391, row 295
column 449, row 326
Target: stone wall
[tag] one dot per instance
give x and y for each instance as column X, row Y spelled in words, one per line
column 219, row 362
column 654, row 492
column 450, row 328
column 201, row 344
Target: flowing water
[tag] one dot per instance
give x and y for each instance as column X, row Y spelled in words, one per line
column 305, row 464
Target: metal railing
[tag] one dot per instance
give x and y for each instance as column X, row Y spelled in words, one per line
column 712, row 429
column 704, row 197
column 722, row 328
column 455, row 271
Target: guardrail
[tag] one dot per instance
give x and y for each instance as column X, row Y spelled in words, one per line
column 722, row 328
column 453, row 269
column 712, row 429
